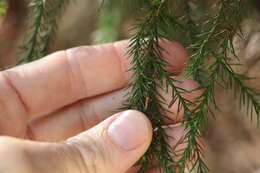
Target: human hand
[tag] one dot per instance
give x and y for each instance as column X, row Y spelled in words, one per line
column 70, row 93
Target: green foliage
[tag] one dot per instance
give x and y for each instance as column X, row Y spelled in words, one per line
column 44, row 14
column 211, row 64
column 208, row 36
column 150, row 75
column 3, row 7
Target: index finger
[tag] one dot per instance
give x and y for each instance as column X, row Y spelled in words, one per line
column 67, row 76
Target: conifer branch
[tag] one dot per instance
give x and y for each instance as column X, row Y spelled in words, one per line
column 44, row 14
column 149, row 75
column 219, row 33
column 213, row 44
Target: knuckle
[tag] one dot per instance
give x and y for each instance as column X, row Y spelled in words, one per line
column 14, row 91
column 74, row 65
column 88, row 156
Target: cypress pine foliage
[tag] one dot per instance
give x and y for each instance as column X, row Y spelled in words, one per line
column 209, row 40
column 150, row 75
column 214, row 44
column 44, row 14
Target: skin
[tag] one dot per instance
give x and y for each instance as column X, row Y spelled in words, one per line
column 56, row 113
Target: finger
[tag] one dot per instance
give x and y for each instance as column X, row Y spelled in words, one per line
column 80, row 72
column 191, row 94
column 76, row 118
column 85, row 114
column 177, row 134
column 43, row 86
column 113, row 146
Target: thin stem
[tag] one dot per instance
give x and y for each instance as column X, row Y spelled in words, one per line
column 44, row 13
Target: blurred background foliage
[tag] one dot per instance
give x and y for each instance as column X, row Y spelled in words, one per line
column 3, row 7
column 88, row 22
column 83, row 22
column 233, row 144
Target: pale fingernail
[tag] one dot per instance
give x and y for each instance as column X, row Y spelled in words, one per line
column 130, row 130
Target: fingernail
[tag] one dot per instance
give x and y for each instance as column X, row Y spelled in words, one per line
column 130, row 130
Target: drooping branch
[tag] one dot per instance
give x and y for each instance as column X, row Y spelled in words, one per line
column 44, row 14
column 149, row 75
column 211, row 65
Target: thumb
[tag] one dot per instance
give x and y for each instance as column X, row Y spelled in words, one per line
column 112, row 146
